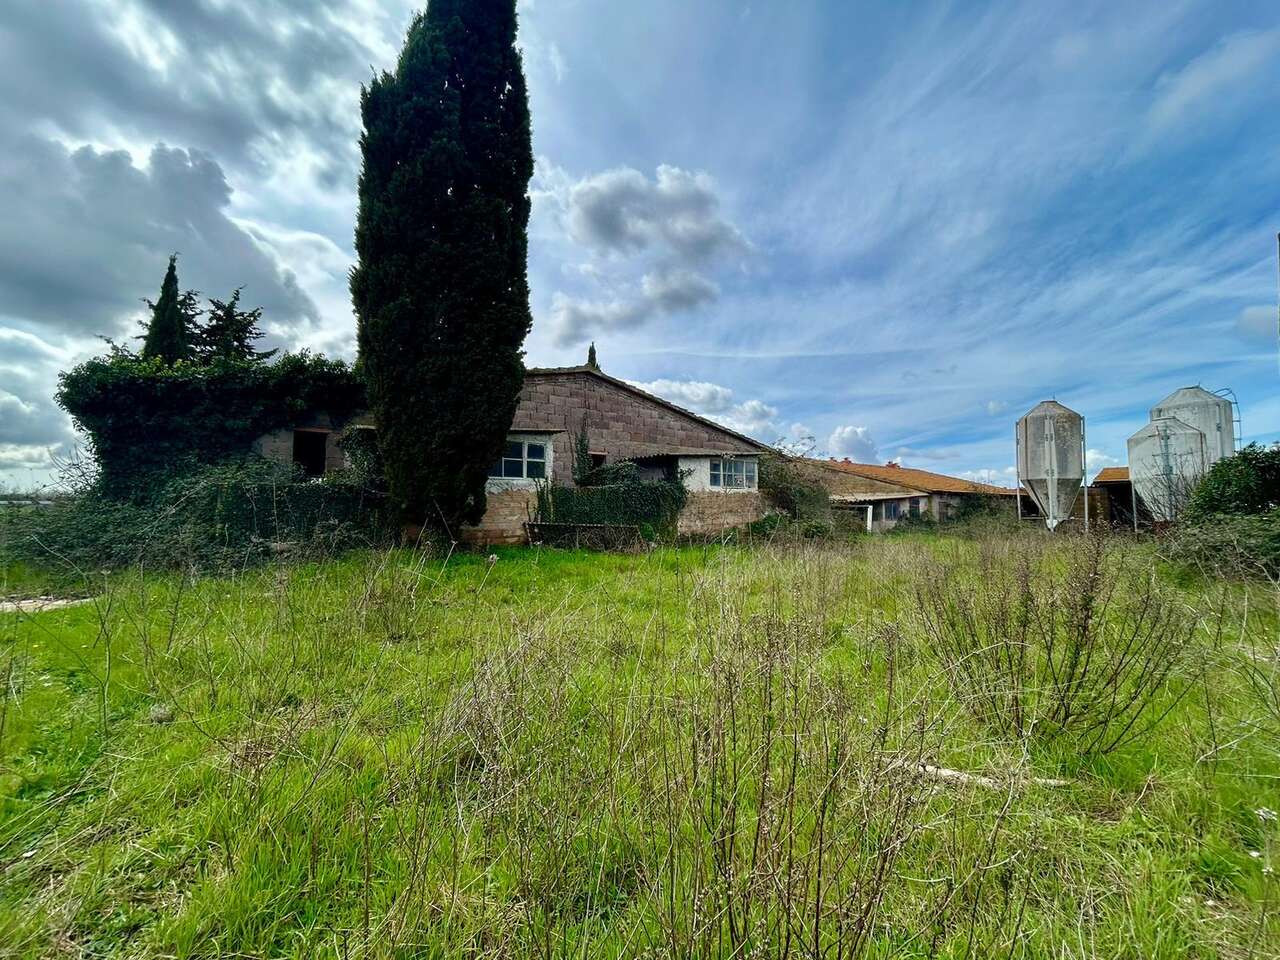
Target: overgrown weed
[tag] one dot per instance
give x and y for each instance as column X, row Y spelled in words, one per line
column 698, row 752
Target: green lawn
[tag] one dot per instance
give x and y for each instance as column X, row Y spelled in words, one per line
column 694, row 752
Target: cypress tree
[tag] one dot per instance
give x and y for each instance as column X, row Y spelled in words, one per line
column 168, row 333
column 440, row 289
column 229, row 333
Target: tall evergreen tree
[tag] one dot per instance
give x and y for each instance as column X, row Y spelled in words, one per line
column 229, row 333
column 440, row 290
column 168, row 333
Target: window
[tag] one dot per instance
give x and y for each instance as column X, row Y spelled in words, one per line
column 892, row 510
column 522, row 460
column 733, row 474
column 310, row 448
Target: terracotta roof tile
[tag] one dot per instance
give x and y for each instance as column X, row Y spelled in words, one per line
column 919, row 479
column 1112, row 475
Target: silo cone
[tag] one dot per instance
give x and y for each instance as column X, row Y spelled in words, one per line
column 1051, row 458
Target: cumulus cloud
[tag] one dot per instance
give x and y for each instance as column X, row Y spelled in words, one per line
column 1097, row 459
column 855, row 443
column 86, row 235
column 237, row 79
column 718, row 403
column 32, row 428
column 623, row 211
column 660, row 228
column 673, row 290
column 575, row 319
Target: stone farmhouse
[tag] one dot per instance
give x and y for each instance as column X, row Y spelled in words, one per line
column 621, row 422
column 885, row 494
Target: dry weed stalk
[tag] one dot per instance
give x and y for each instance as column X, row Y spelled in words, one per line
column 1042, row 645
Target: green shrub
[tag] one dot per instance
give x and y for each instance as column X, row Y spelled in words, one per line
column 785, row 487
column 1247, row 483
column 226, row 515
column 1229, row 544
column 650, row 506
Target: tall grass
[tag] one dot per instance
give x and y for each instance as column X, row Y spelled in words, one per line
column 1079, row 646
column 688, row 753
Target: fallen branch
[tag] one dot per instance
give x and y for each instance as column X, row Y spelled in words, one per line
column 40, row 604
column 947, row 775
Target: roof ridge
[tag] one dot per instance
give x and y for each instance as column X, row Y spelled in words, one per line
column 623, row 384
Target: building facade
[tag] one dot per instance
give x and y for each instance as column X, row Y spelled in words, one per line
column 883, row 495
column 620, row 422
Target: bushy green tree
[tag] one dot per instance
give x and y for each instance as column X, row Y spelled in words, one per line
column 169, row 330
column 1247, row 483
column 229, row 333
column 440, row 290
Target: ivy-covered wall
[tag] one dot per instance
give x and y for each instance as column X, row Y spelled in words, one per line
column 146, row 420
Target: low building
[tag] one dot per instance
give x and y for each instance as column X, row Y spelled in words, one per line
column 886, row 494
column 620, row 421
column 1117, row 500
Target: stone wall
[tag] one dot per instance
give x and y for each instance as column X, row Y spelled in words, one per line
column 712, row 512
column 503, row 521
column 620, row 423
column 277, row 445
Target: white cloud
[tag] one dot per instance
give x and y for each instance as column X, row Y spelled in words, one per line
column 1258, row 323
column 1210, row 81
column 673, row 290
column 855, row 443
column 996, row 407
column 1097, row 459
column 623, row 211
column 575, row 320
column 716, row 402
column 658, row 229
column 995, row 476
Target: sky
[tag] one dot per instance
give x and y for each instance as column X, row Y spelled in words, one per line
column 892, row 228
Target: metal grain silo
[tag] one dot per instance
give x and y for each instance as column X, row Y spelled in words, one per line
column 1167, row 458
column 1212, row 415
column 1051, row 459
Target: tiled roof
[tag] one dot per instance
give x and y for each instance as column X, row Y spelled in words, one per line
column 922, row 480
column 1112, row 475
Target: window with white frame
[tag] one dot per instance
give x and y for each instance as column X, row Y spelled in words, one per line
column 733, row 474
column 522, row 460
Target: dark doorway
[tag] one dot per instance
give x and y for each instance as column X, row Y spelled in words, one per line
column 309, row 448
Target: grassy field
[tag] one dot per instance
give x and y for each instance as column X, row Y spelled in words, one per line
column 899, row 747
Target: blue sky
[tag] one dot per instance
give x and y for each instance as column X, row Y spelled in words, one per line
column 892, row 227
